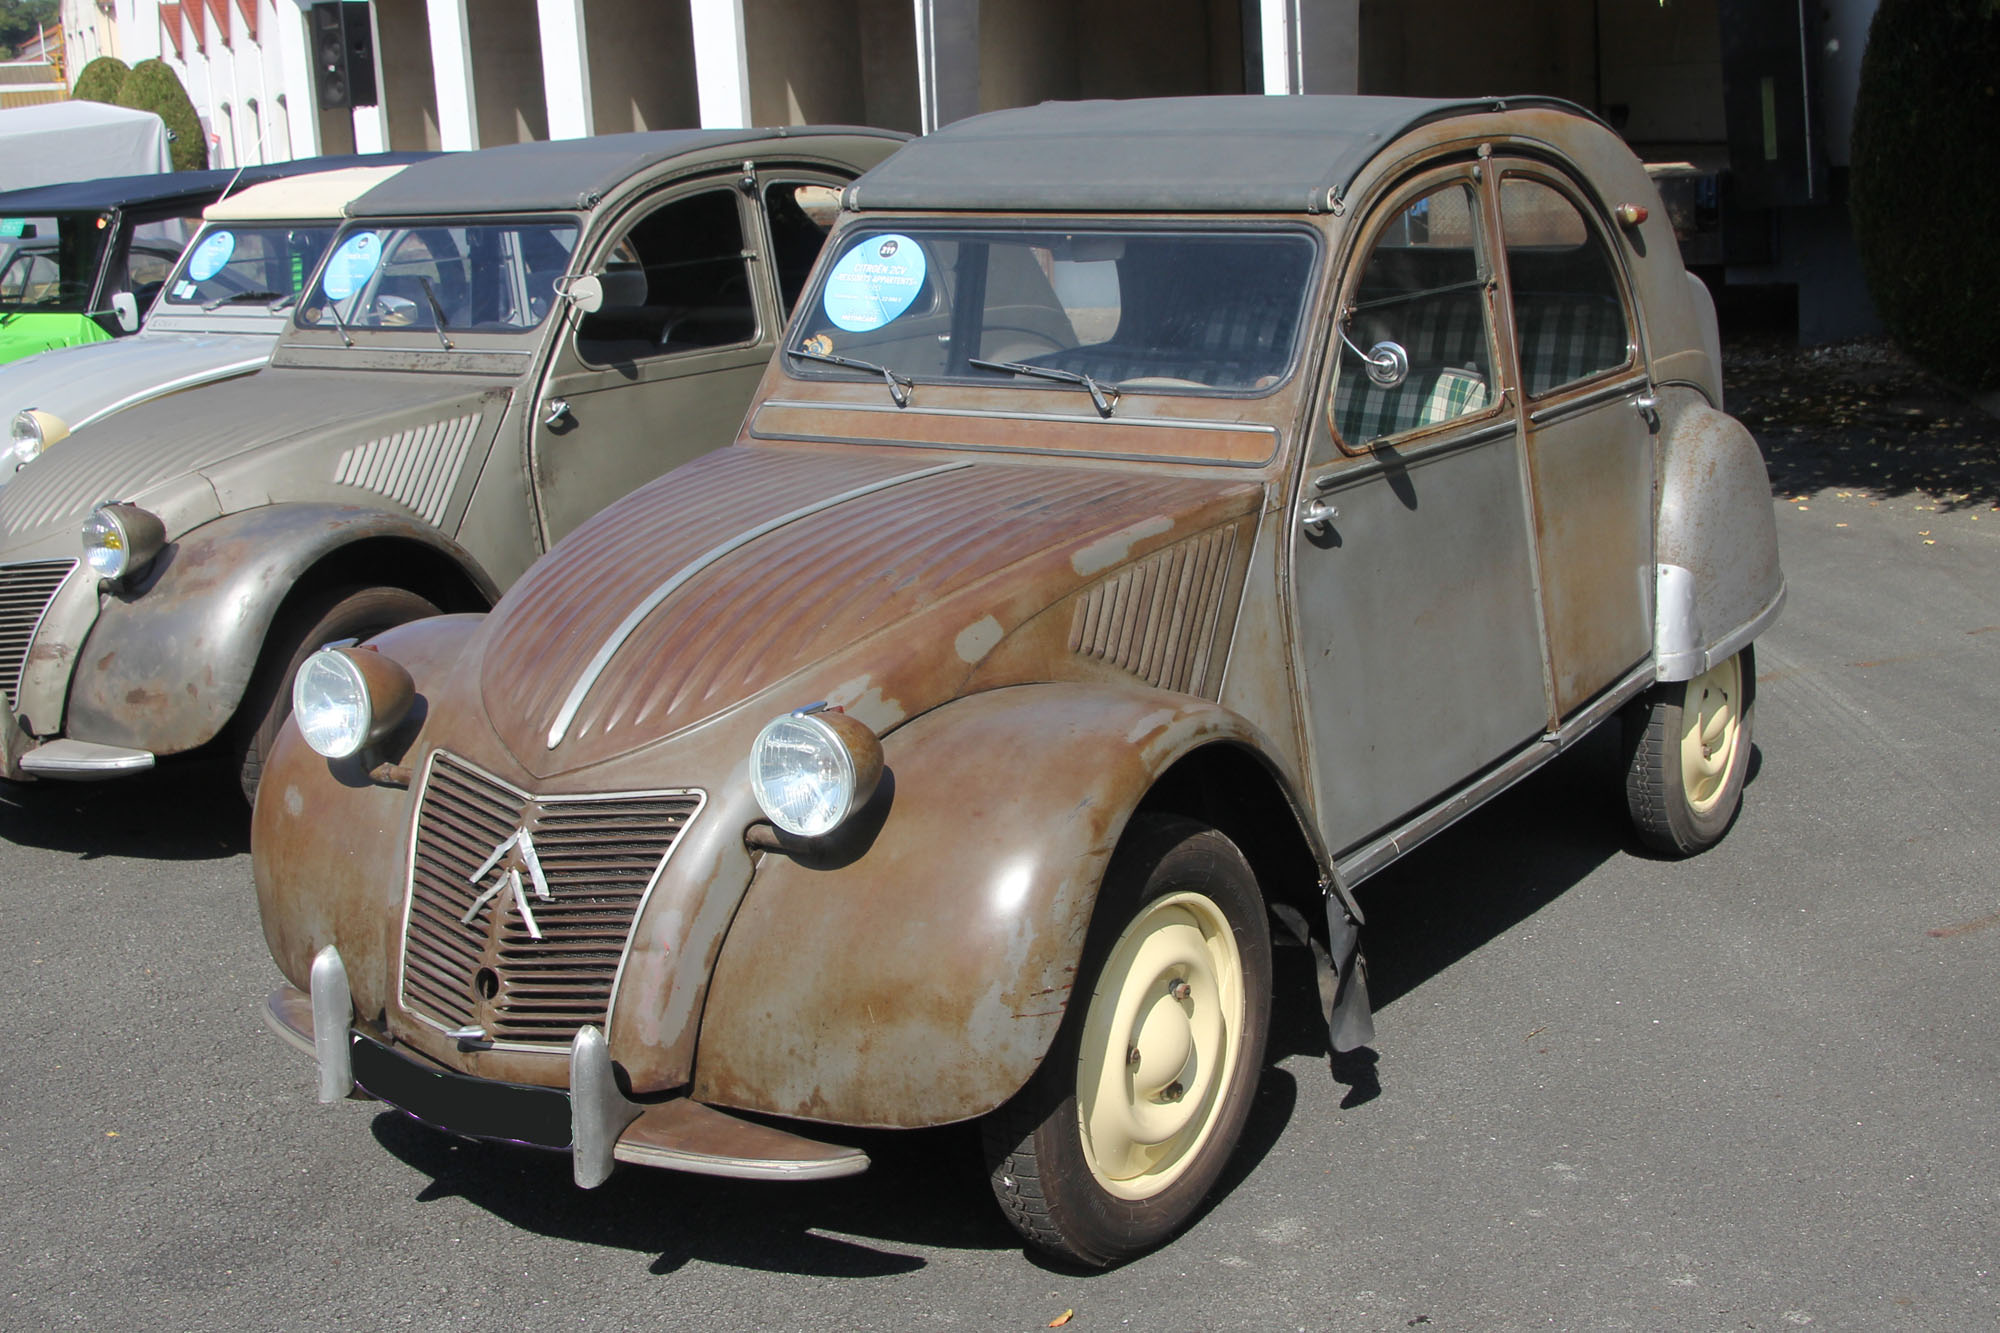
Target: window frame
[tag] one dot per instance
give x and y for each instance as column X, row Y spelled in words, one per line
column 1596, row 224
column 1383, row 213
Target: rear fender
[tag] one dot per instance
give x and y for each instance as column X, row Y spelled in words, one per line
column 1718, row 580
column 167, row 662
column 921, row 981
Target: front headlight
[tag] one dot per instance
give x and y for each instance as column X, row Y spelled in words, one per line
column 33, row 431
column 346, row 698
column 121, row 540
column 810, row 770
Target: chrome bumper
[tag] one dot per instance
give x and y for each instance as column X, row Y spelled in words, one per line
column 83, row 761
column 606, row 1127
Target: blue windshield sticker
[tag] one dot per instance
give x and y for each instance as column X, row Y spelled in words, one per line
column 874, row 282
column 209, row 257
column 13, row 226
column 351, row 265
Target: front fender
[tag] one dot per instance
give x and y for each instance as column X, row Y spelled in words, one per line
column 1719, row 583
column 329, row 848
column 922, row 981
column 167, row 662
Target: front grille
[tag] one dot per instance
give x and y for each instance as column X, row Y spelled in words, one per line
column 25, row 593
column 599, row 856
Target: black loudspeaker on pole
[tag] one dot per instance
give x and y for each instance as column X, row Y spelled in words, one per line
column 343, row 54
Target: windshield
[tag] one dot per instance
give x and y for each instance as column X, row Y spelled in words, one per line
column 1214, row 311
column 488, row 278
column 49, row 264
column 253, row 263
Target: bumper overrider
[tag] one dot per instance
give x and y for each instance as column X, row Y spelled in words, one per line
column 592, row 1120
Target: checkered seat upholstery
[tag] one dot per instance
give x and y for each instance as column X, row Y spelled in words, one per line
column 1567, row 336
column 1446, row 339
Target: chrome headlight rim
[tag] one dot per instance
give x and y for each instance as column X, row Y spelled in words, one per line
column 847, row 753
column 32, row 431
column 120, row 540
column 346, row 699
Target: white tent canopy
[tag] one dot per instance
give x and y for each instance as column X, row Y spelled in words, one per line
column 59, row 142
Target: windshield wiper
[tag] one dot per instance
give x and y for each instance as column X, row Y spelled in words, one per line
column 899, row 385
column 332, row 307
column 234, row 297
column 1097, row 392
column 437, row 311
column 288, row 299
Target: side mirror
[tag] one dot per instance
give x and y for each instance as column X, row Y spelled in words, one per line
column 126, row 307
column 586, row 293
column 1386, row 362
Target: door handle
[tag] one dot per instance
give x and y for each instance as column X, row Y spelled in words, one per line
column 1316, row 516
column 558, row 409
column 1647, row 405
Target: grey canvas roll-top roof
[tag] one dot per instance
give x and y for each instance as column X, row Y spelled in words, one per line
column 557, row 175
column 168, row 186
column 1169, row 154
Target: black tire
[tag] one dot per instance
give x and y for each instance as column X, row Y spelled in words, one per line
column 1683, row 792
column 299, row 632
column 1054, row 1175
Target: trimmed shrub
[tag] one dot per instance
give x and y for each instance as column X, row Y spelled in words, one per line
column 1926, row 178
column 153, row 86
column 101, row 79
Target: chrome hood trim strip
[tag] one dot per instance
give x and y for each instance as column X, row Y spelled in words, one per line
column 651, row 602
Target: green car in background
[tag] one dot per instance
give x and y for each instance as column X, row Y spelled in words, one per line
column 82, row 262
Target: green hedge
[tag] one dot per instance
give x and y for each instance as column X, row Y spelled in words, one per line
column 101, row 79
column 1926, row 181
column 152, row 86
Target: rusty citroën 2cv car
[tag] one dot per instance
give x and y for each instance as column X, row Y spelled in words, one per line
column 1159, row 517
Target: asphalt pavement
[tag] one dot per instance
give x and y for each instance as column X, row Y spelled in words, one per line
column 1753, row 1090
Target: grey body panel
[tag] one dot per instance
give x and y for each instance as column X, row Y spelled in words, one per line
column 1419, row 630
column 166, row 665
column 1174, row 154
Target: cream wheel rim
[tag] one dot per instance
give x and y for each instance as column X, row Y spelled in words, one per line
column 1158, row 1043
column 1711, row 732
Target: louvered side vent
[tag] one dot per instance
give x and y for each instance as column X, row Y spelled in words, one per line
column 1156, row 619
column 25, row 594
column 599, row 855
column 416, row 467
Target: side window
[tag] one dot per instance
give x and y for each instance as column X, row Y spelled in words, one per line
column 1422, row 287
column 800, row 216
column 677, row 281
column 1567, row 311
column 156, row 247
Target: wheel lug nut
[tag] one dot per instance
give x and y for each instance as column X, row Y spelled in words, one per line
column 1132, row 1055
column 1173, row 1092
column 1179, row 989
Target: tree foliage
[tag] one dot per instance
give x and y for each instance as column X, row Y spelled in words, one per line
column 101, row 79
column 1926, row 178
column 153, row 86
column 20, row 20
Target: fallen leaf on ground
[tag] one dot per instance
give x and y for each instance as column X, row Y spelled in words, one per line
column 1062, row 1319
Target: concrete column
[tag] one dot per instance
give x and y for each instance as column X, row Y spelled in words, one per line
column 371, row 123
column 947, row 61
column 721, row 63
column 565, row 68
column 1311, row 46
column 451, row 69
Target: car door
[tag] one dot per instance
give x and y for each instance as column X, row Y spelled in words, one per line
column 1587, row 398
column 1416, row 618
column 697, row 285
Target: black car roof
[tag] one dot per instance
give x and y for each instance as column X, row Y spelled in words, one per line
column 168, row 186
column 1170, row 154
column 556, row 175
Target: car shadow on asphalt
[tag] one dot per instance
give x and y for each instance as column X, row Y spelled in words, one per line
column 928, row 1188
column 192, row 811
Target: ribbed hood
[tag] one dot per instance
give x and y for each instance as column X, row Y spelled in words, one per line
column 754, row 564
column 129, row 454
column 78, row 383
